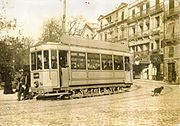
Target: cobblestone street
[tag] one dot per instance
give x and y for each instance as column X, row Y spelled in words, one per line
column 134, row 108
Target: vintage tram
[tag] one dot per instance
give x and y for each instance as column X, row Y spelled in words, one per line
column 79, row 66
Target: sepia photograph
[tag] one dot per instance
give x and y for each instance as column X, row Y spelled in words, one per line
column 89, row 62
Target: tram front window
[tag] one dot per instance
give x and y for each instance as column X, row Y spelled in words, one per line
column 33, row 61
column 54, row 59
column 39, row 60
column 46, row 59
column 36, row 60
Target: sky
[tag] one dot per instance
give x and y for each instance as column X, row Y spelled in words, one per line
column 31, row 14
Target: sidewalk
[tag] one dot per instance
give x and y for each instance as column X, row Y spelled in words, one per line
column 151, row 81
column 7, row 97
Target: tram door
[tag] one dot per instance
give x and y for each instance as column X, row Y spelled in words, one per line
column 63, row 69
column 128, row 76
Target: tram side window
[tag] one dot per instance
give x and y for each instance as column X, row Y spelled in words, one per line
column 39, row 60
column 127, row 64
column 78, row 60
column 106, row 62
column 54, row 59
column 118, row 62
column 46, row 59
column 33, row 61
column 93, row 61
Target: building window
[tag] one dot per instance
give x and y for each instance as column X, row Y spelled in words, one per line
column 108, row 19
column 105, row 36
column 136, row 48
column 101, row 36
column 122, row 32
column 171, row 51
column 152, row 46
column 122, row 16
column 157, row 4
column 157, row 44
column 162, row 44
column 133, row 13
column 148, row 25
column 87, row 36
column 157, row 21
column 141, row 27
column 147, row 7
column 171, row 6
column 134, row 30
column 141, row 10
column 117, row 15
column 101, row 25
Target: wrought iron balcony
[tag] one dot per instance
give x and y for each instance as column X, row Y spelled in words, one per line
column 157, row 9
column 172, row 13
column 150, row 11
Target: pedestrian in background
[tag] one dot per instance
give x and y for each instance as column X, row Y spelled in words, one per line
column 21, row 84
column 27, row 85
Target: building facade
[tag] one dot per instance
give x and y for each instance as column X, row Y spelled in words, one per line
column 172, row 42
column 145, row 30
column 89, row 31
column 152, row 31
column 113, row 26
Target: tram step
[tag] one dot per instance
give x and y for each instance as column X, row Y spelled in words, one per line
column 54, row 94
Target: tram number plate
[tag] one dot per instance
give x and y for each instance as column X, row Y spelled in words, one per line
column 36, row 75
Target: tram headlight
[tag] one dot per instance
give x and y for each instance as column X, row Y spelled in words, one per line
column 36, row 84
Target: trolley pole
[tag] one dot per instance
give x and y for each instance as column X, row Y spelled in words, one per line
column 64, row 17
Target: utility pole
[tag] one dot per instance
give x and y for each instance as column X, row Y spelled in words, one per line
column 164, row 30
column 64, row 17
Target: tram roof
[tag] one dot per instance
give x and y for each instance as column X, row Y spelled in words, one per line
column 88, row 43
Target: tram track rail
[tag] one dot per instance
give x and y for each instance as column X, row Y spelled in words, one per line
column 87, row 102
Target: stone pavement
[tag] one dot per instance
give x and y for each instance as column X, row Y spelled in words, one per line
column 134, row 108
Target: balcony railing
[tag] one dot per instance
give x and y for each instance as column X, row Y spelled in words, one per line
column 146, row 33
column 157, row 8
column 172, row 39
column 122, row 37
column 172, row 12
column 155, row 31
column 150, row 11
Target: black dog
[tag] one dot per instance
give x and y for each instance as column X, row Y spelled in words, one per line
column 157, row 91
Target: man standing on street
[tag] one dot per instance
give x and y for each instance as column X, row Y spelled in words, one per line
column 21, row 86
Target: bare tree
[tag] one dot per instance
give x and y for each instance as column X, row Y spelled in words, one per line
column 52, row 28
column 75, row 25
